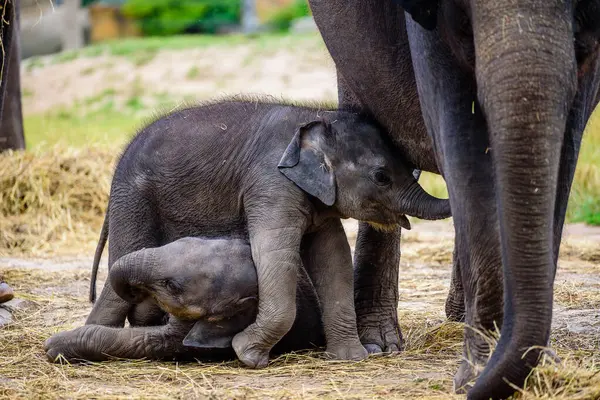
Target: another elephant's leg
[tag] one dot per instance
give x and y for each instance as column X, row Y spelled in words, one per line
column 327, row 257
column 477, row 244
column 455, row 303
column 99, row 343
column 132, row 227
column 376, row 264
column 588, row 97
column 448, row 96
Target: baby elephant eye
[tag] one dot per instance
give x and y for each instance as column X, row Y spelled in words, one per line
column 381, row 177
column 172, row 286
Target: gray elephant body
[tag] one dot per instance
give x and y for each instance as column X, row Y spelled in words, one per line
column 217, row 170
column 505, row 89
column 208, row 288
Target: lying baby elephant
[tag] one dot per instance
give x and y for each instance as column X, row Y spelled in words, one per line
column 279, row 176
column 209, row 288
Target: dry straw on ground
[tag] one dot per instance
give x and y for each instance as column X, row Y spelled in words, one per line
column 52, row 197
column 423, row 370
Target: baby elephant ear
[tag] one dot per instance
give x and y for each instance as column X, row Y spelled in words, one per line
column 423, row 12
column 305, row 163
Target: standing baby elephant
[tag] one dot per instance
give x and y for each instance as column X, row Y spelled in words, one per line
column 209, row 288
column 277, row 175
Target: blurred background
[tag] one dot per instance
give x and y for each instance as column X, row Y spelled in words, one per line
column 95, row 71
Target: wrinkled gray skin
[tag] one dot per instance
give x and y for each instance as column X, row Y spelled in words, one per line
column 209, row 290
column 506, row 89
column 279, row 176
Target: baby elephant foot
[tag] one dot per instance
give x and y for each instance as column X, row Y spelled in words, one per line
column 249, row 351
column 62, row 344
column 380, row 333
column 355, row 352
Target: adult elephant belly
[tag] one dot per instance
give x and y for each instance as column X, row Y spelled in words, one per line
column 369, row 45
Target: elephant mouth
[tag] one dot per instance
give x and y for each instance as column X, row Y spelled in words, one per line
column 383, row 227
column 183, row 312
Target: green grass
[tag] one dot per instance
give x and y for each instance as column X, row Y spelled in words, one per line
column 193, row 73
column 106, row 127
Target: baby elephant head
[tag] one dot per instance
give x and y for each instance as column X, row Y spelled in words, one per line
column 191, row 278
column 348, row 163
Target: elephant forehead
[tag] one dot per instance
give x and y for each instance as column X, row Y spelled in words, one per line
column 365, row 158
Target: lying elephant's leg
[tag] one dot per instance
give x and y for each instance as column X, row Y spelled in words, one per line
column 99, row 343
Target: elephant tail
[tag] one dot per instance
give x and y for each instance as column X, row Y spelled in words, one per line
column 97, row 256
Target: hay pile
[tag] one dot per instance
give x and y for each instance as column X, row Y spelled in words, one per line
column 52, row 199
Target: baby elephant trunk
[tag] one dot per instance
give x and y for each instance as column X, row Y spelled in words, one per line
column 416, row 202
column 130, row 274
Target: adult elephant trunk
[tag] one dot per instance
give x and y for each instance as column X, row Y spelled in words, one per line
column 525, row 66
column 416, row 202
column 130, row 273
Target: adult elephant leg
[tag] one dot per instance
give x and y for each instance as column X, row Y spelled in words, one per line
column 455, row 302
column 376, row 264
column 11, row 116
column 447, row 94
column 586, row 100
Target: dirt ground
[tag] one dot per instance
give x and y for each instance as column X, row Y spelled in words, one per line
column 57, row 289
